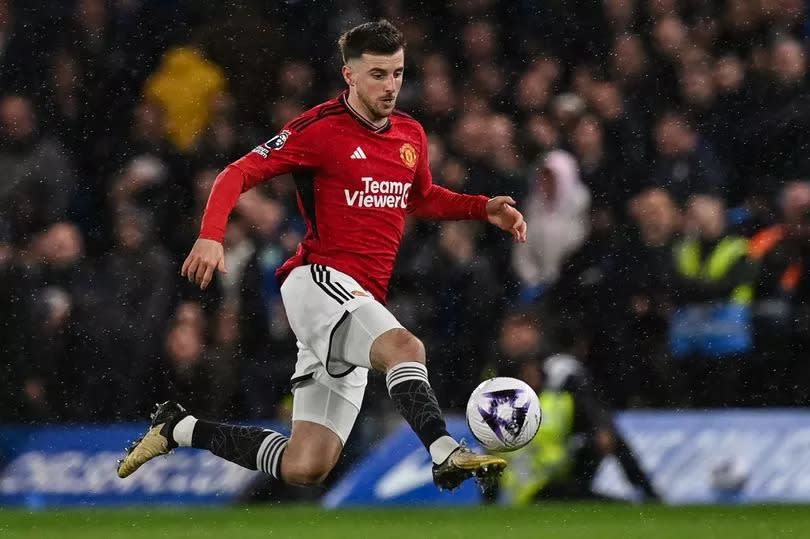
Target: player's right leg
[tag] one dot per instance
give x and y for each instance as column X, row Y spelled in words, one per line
column 344, row 332
column 401, row 357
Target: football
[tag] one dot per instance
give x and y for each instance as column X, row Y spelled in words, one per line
column 503, row 414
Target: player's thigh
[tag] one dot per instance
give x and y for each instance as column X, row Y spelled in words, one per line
column 334, row 318
column 317, row 301
column 395, row 346
column 353, row 339
column 325, row 413
column 312, row 447
column 310, row 455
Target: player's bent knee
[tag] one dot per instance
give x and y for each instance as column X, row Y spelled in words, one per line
column 408, row 348
column 396, row 346
column 311, row 453
column 305, row 472
column 307, row 476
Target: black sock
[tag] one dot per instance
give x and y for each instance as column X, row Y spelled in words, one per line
column 418, row 405
column 252, row 447
column 409, row 388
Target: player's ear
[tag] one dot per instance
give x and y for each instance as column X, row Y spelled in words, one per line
column 348, row 74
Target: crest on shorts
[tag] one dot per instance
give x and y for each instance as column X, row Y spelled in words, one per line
column 408, row 155
column 359, row 293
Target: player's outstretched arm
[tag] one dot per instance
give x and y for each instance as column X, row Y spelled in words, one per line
column 205, row 257
column 281, row 154
column 431, row 201
column 502, row 213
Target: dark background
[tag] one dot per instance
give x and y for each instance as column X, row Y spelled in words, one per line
column 115, row 117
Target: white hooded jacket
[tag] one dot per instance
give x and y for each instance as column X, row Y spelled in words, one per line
column 556, row 226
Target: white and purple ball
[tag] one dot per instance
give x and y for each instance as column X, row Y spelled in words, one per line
column 503, row 414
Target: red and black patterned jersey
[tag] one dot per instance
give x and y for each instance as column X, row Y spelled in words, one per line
column 354, row 182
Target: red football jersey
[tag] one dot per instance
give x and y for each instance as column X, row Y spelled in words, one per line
column 354, row 181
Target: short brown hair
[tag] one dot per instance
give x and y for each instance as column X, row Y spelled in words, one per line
column 380, row 37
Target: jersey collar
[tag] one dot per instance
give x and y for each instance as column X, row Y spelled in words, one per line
column 356, row 115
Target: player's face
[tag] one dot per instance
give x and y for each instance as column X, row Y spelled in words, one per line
column 377, row 79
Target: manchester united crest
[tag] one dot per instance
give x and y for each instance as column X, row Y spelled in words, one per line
column 408, row 155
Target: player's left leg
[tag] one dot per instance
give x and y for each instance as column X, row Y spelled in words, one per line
column 323, row 418
column 306, row 458
column 312, row 452
column 172, row 426
column 372, row 337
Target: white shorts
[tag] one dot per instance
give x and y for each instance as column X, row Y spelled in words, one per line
column 335, row 321
column 317, row 403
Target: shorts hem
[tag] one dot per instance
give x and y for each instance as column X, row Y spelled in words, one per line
column 304, row 377
column 329, row 349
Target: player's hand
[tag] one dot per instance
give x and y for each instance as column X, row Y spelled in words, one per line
column 502, row 213
column 205, row 257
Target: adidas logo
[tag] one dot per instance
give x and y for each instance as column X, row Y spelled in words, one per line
column 358, row 154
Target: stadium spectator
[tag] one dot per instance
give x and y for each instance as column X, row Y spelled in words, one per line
column 39, row 181
column 698, row 94
column 781, row 125
column 539, row 137
column 67, row 103
column 145, row 183
column 712, row 289
column 184, row 369
column 685, row 164
column 68, row 358
column 459, row 334
column 647, row 373
column 222, row 140
column 438, row 94
column 137, row 278
column 224, row 361
column 557, row 212
column 670, row 39
column 781, row 252
column 566, row 110
column 12, row 328
column 602, row 172
column 148, row 133
column 794, row 389
column 185, row 85
column 577, row 433
column 733, row 103
column 521, row 339
column 710, row 265
column 779, row 249
column 534, row 89
column 625, row 129
column 266, row 338
column 629, row 63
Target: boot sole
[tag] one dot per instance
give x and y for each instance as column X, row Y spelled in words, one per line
column 153, row 444
column 485, row 468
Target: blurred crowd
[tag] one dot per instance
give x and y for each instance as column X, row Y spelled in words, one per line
column 658, row 149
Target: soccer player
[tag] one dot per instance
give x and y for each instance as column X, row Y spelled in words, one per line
column 359, row 166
